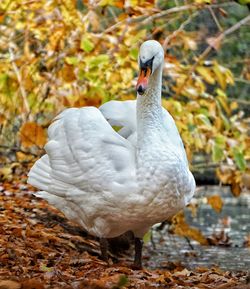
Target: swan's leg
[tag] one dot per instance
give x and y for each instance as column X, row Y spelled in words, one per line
column 104, row 249
column 138, row 253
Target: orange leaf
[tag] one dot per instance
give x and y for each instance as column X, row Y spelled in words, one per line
column 32, row 134
column 215, row 202
column 68, row 73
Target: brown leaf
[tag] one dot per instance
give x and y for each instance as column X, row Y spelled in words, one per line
column 222, row 12
column 32, row 134
column 219, row 239
column 9, row 284
column 214, row 42
column 235, row 188
column 32, row 284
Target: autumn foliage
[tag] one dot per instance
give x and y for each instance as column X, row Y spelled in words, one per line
column 57, row 54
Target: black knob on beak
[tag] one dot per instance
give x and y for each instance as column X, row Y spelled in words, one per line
column 140, row 89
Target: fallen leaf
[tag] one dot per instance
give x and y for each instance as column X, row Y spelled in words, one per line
column 219, row 239
column 32, row 284
column 8, row 284
column 215, row 202
column 181, row 228
column 235, row 188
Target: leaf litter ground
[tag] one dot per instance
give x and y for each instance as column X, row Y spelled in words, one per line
column 40, row 249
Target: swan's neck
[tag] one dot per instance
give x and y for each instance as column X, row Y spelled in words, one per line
column 149, row 111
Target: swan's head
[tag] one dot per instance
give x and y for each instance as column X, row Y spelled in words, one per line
column 151, row 57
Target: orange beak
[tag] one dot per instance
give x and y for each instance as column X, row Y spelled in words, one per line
column 142, row 82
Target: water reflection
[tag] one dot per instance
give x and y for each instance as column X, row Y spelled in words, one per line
column 234, row 221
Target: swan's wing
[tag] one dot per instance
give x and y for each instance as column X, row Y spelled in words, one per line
column 84, row 154
column 123, row 114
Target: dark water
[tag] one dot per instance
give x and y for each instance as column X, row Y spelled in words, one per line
column 234, row 221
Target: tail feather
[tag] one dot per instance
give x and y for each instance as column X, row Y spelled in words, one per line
column 39, row 175
column 72, row 211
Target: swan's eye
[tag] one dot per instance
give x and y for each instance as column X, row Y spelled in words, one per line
column 147, row 64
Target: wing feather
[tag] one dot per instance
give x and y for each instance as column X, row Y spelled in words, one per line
column 84, row 152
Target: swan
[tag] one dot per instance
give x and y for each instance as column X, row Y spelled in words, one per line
column 110, row 182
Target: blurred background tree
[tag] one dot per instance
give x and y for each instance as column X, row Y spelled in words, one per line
column 62, row 53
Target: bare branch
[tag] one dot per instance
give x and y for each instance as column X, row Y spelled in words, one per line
column 237, row 26
column 145, row 19
column 240, row 101
column 184, row 8
column 210, row 48
column 215, row 19
column 204, row 165
column 175, row 33
column 238, row 79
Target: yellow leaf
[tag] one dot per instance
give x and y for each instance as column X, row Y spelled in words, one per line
column 222, row 98
column 5, row 173
column 205, row 72
column 116, row 3
column 189, row 43
column 94, row 20
column 225, row 174
column 198, row 141
column 234, row 105
column 27, row 80
column 22, row 157
column 32, row 134
column 215, row 202
column 181, row 228
column 223, row 75
column 203, row 1
column 56, row 40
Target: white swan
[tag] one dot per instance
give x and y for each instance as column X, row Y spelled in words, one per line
column 109, row 182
